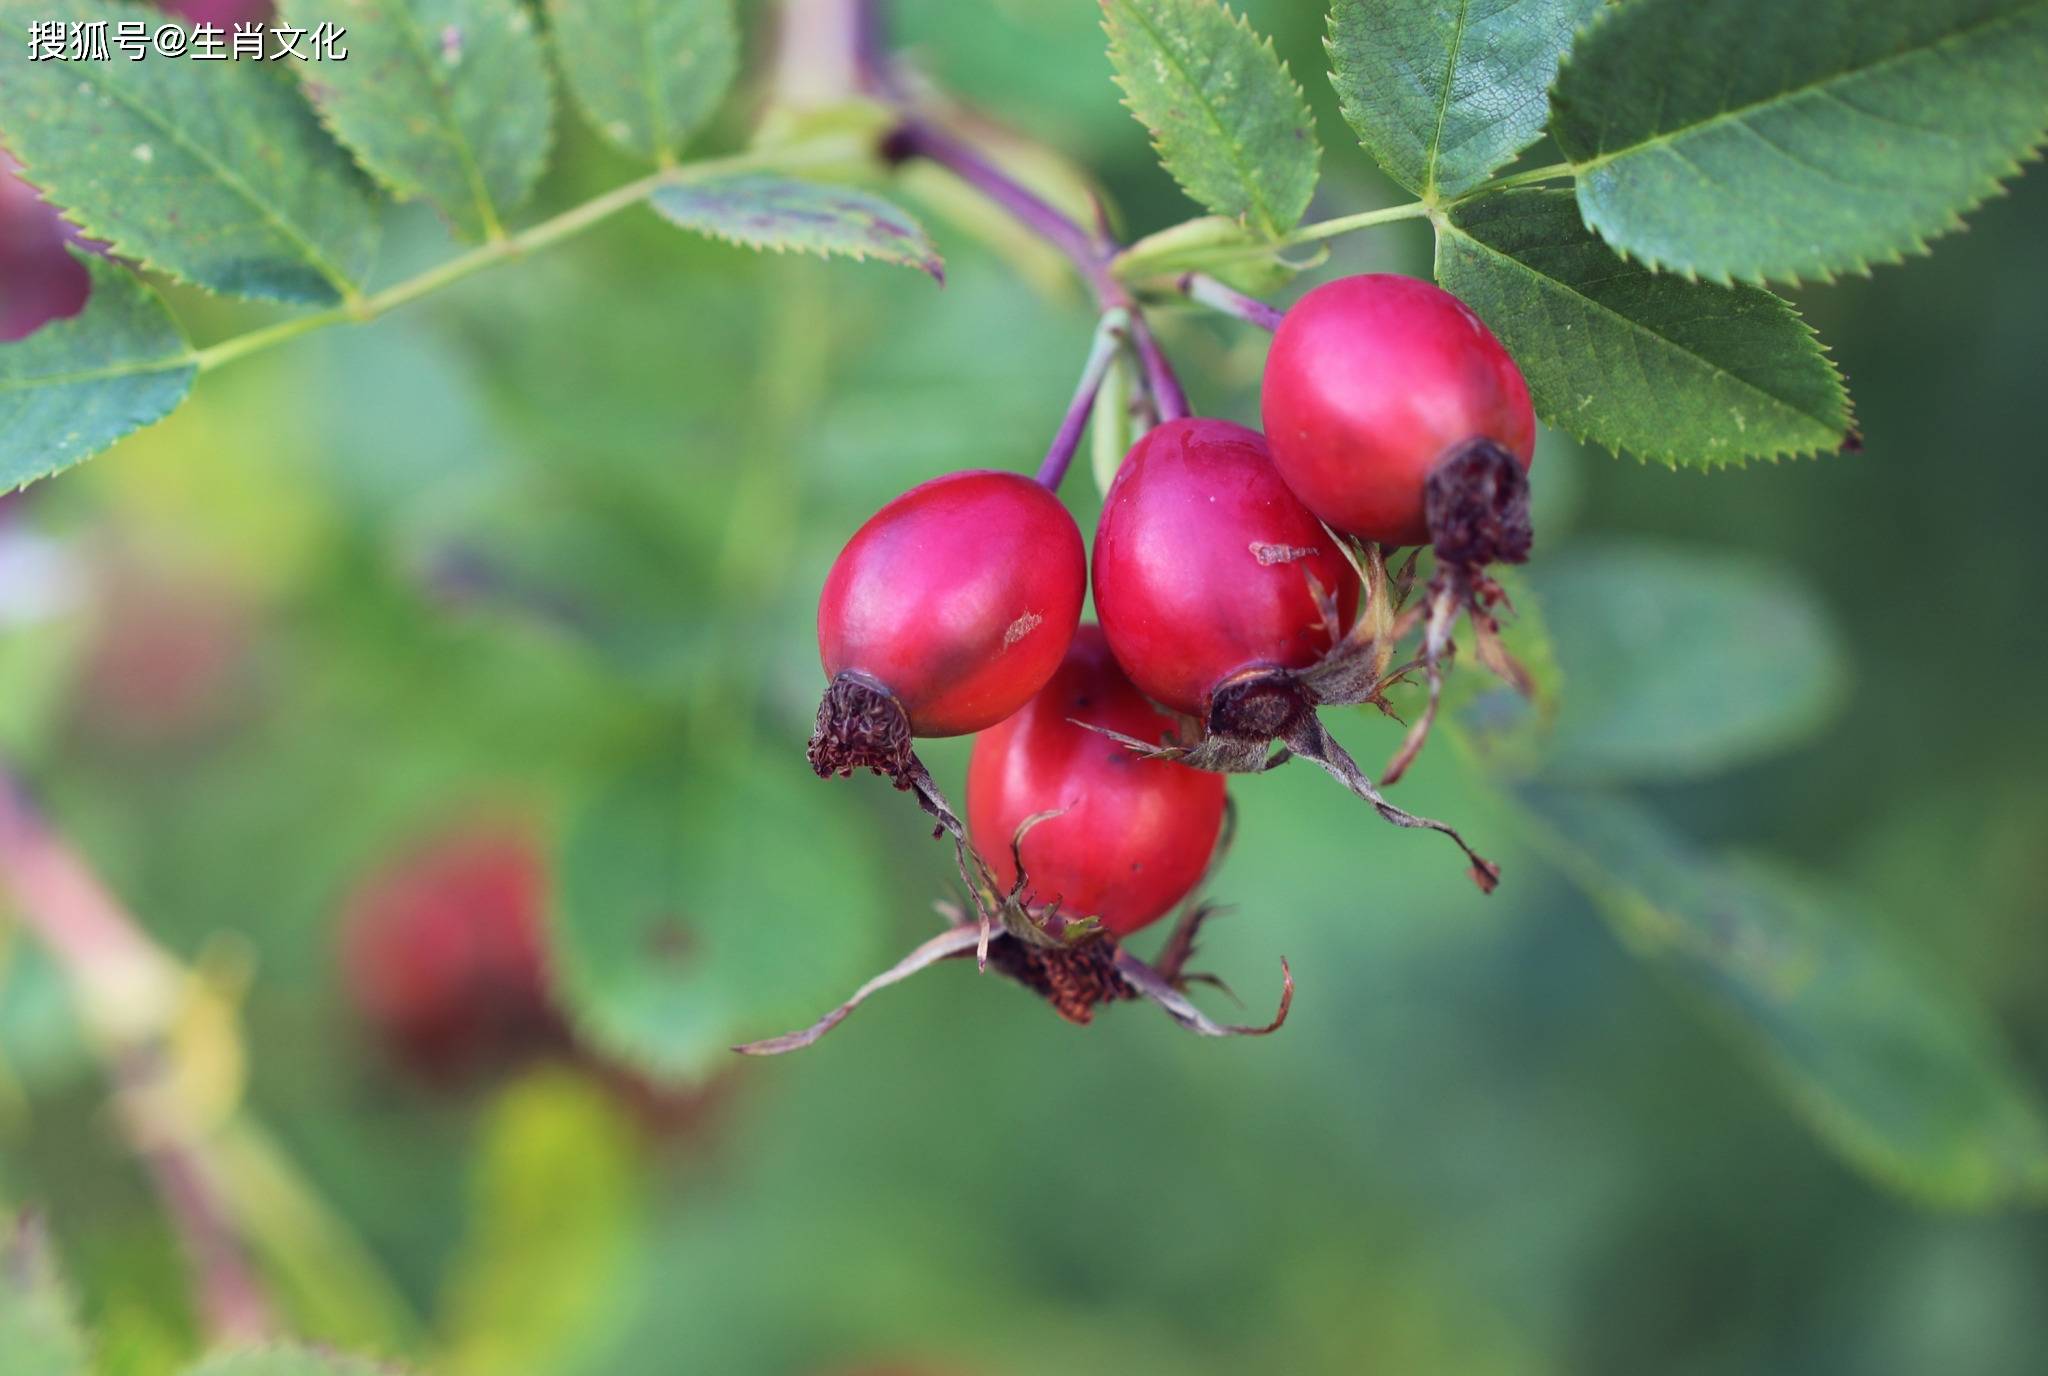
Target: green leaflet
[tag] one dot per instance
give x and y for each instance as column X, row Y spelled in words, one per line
column 1756, row 139
column 1689, row 373
column 648, row 72
column 675, row 941
column 215, row 172
column 1228, row 121
column 1443, row 92
column 38, row 1332
column 789, row 216
column 1893, row 1068
column 444, row 100
column 1681, row 662
column 75, row 386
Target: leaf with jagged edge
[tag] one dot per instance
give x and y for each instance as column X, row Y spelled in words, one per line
column 213, row 172
column 1892, row 1066
column 1444, row 92
column 445, row 101
column 1689, row 373
column 76, row 386
column 647, row 72
column 39, row 1334
column 760, row 211
column 1759, row 140
column 1226, row 118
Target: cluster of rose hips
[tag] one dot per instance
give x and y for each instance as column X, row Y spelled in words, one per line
column 1241, row 582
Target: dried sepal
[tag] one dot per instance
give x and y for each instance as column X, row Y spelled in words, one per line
column 947, row 945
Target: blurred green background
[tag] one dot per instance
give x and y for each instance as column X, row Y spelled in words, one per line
column 564, row 525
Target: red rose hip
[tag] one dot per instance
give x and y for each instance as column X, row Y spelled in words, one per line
column 1371, row 382
column 1132, row 837
column 1206, row 566
column 943, row 615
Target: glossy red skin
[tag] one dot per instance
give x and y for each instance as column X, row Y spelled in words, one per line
column 1135, row 835
column 443, row 955
column 39, row 279
column 959, row 597
column 1193, row 576
column 1369, row 382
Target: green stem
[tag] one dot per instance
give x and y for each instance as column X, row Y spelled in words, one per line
column 566, row 225
column 1539, row 174
column 1344, row 224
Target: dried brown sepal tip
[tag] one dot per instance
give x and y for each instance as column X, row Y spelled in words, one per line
column 861, row 726
column 1071, row 964
column 1477, row 503
column 1248, row 714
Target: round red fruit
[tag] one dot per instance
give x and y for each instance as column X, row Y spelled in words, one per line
column 957, row 599
column 1133, row 836
column 1207, row 566
column 442, row 953
column 1371, row 381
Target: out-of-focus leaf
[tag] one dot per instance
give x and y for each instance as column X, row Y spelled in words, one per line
column 1759, row 140
column 75, row 386
column 215, row 172
column 702, row 907
column 1896, row 1070
column 1442, row 92
column 1681, row 662
column 285, row 1360
column 1689, row 373
column 1228, row 121
column 790, row 216
column 444, row 100
column 648, row 75
column 38, row 1333
column 554, row 1212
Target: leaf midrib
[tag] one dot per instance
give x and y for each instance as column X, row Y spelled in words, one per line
column 32, row 382
column 479, row 189
column 308, row 250
column 1443, row 102
column 1268, row 221
column 1777, row 97
column 1635, row 327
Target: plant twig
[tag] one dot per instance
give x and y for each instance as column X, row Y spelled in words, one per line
column 1110, row 335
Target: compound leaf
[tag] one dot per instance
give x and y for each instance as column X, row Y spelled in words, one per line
column 1759, row 140
column 1228, row 121
column 1442, row 92
column 648, row 74
column 761, row 211
column 214, row 172
column 75, row 386
column 1693, row 374
column 446, row 101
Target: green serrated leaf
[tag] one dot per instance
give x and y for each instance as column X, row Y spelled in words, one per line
column 1682, row 662
column 1896, row 1070
column 39, row 1333
column 700, row 908
column 1759, row 140
column 1228, row 121
column 760, row 211
column 75, row 386
column 1693, row 374
column 555, row 1204
column 214, row 172
column 446, row 101
column 1443, row 92
column 286, row 1360
column 648, row 72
